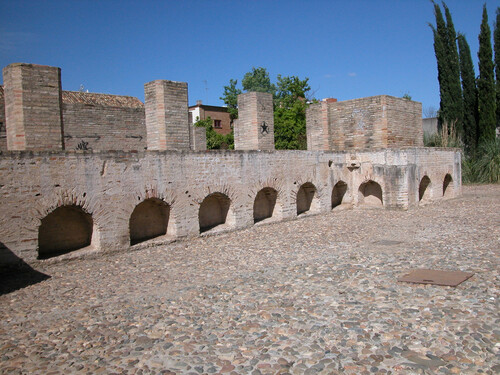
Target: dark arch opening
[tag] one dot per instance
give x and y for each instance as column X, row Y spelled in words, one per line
column 370, row 194
column 213, row 211
column 338, row 193
column 447, row 189
column 65, row 229
column 148, row 220
column 423, row 192
column 263, row 206
column 305, row 196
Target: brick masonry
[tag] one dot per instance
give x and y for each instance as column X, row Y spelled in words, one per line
column 198, row 138
column 40, row 113
column 254, row 129
column 3, row 132
column 103, row 122
column 361, row 153
column 368, row 123
column 167, row 122
column 109, row 185
column 32, row 107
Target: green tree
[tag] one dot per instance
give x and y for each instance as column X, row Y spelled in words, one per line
column 230, row 98
column 469, row 93
column 258, row 80
column 486, row 84
column 496, row 39
column 289, row 102
column 290, row 113
column 440, row 37
column 456, row 103
column 445, row 48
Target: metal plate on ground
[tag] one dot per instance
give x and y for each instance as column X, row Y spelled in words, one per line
column 436, row 277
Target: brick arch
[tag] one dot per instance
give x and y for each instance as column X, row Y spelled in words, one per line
column 268, row 199
column 149, row 220
column 424, row 189
column 264, row 204
column 370, row 194
column 146, row 204
column 44, row 206
column 214, row 211
column 448, row 186
column 222, row 191
column 307, row 198
column 65, row 229
column 65, row 197
column 338, row 193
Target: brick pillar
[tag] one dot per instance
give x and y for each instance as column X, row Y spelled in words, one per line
column 167, row 123
column 318, row 127
column 198, row 138
column 254, row 129
column 33, row 107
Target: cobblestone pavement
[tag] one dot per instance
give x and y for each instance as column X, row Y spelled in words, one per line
column 318, row 295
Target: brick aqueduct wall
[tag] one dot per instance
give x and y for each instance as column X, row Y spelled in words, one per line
column 56, row 200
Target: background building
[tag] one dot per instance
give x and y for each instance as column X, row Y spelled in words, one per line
column 219, row 115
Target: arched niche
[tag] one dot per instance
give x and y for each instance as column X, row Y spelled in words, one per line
column 213, row 211
column 65, row 229
column 370, row 194
column 338, row 193
column 264, row 204
column 305, row 198
column 448, row 186
column 148, row 220
column 424, row 190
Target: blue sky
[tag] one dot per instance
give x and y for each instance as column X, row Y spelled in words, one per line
column 347, row 49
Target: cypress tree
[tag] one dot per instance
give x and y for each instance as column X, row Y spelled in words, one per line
column 469, row 93
column 496, row 39
column 450, row 90
column 440, row 37
column 455, row 94
column 486, row 84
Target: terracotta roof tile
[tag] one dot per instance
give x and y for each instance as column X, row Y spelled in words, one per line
column 105, row 100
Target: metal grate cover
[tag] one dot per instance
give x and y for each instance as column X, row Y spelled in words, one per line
column 436, row 277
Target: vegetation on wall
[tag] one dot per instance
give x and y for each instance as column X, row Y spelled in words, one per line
column 215, row 141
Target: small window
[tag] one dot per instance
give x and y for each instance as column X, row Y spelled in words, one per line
column 217, row 124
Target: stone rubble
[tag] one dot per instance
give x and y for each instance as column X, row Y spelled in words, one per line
column 318, row 295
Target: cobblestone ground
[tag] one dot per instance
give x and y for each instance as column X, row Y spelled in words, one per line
column 314, row 295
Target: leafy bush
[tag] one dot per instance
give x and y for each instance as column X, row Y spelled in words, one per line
column 215, row 141
column 469, row 175
column 446, row 137
column 481, row 166
column 487, row 164
column 484, row 166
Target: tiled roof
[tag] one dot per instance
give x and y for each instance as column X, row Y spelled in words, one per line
column 106, row 100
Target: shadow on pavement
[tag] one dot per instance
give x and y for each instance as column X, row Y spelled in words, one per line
column 15, row 273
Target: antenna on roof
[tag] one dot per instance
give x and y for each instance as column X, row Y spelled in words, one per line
column 82, row 88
